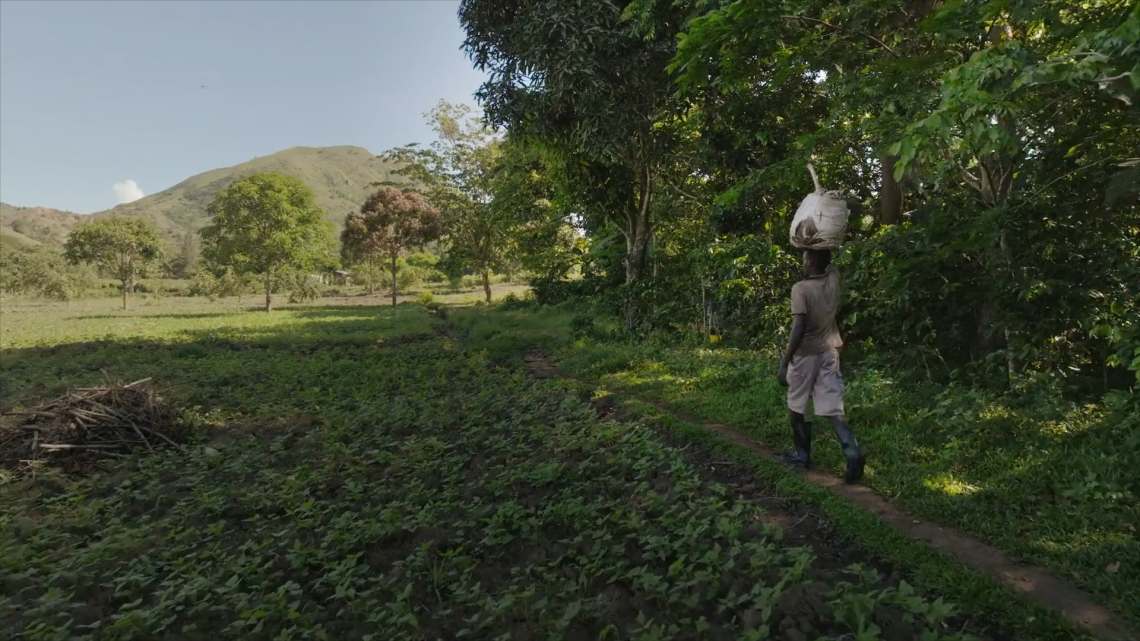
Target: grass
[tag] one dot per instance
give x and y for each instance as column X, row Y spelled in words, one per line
column 370, row 477
column 1050, row 483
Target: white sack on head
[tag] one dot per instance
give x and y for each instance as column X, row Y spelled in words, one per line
column 821, row 220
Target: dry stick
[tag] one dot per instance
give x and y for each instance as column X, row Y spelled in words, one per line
column 9, row 440
column 139, row 432
column 35, row 413
column 71, row 446
column 161, row 436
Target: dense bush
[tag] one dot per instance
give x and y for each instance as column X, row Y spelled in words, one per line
column 42, row 272
column 222, row 284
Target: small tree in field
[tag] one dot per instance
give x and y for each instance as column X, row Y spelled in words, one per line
column 126, row 248
column 369, row 272
column 391, row 221
column 457, row 176
column 268, row 224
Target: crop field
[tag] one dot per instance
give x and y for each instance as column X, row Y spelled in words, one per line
column 370, row 477
column 1048, row 482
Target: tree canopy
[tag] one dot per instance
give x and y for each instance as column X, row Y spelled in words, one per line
column 124, row 248
column 578, row 79
column 988, row 149
column 42, row 271
column 454, row 174
column 268, row 224
column 390, row 222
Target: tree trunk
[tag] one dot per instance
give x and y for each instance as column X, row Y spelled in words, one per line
column 394, row 287
column 126, row 292
column 487, row 285
column 268, row 291
column 638, row 237
column 890, row 193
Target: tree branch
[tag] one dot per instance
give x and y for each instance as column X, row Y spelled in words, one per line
column 686, row 194
column 838, row 28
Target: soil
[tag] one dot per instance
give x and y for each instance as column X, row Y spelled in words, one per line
column 1034, row 582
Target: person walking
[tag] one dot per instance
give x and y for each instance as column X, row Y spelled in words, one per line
column 810, row 367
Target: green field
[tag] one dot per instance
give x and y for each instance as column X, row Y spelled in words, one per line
column 394, row 474
column 1047, row 481
column 375, row 479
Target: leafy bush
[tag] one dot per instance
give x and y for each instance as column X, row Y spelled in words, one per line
column 301, row 287
column 372, row 275
column 581, row 325
column 553, row 291
column 227, row 283
column 512, row 301
column 42, row 272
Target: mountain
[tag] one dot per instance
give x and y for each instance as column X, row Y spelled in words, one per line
column 20, row 226
column 340, row 177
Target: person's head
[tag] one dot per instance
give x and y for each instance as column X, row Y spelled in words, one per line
column 816, row 261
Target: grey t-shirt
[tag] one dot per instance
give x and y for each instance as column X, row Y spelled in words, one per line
column 817, row 298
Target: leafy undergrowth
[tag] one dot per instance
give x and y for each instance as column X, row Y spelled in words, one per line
column 379, row 481
column 1049, row 482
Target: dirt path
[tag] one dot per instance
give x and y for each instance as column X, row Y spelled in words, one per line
column 1033, row 581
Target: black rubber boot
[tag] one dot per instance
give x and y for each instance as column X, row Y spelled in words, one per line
column 801, row 438
column 852, row 452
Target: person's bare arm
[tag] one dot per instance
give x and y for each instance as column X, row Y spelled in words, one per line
column 799, row 325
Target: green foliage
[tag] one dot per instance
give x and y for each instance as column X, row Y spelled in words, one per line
column 408, row 277
column 184, row 264
column 367, row 466
column 594, row 91
column 43, row 272
column 1036, row 475
column 525, row 193
column 455, row 174
column 1005, row 130
column 124, row 248
column 301, row 286
column 390, row 222
column 224, row 284
column 511, row 302
column 268, row 224
column 370, row 273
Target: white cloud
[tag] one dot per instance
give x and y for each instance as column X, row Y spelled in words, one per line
column 127, row 191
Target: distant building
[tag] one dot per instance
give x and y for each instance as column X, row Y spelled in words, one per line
column 334, row 277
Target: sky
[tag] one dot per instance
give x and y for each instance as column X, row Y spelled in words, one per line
column 104, row 102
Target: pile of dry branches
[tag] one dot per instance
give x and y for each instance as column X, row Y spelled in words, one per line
column 87, row 424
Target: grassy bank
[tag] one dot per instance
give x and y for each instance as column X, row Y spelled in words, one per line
column 1049, row 482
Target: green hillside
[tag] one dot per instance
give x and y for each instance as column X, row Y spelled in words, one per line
column 339, row 176
column 34, row 225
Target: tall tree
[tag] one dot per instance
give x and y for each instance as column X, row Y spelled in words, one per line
column 125, row 248
column 188, row 255
column 576, row 76
column 454, row 174
column 525, row 192
column 390, row 222
column 268, row 224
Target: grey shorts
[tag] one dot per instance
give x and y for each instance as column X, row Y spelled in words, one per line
column 816, row 376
